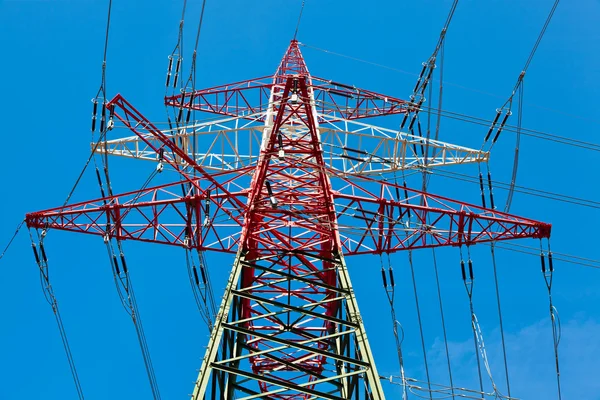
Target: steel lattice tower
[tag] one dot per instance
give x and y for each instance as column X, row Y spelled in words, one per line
column 290, row 209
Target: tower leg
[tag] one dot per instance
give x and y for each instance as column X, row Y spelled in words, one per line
column 267, row 343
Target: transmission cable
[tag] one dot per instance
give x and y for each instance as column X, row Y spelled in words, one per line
column 423, row 347
column 492, row 207
column 500, row 318
column 548, row 274
column 100, row 96
column 521, row 189
column 390, row 291
column 41, row 260
column 201, row 289
column 123, row 284
column 568, row 258
column 508, row 105
column 122, row 279
column 299, row 18
column 417, row 98
column 468, row 281
column 12, row 239
column 439, row 294
column 524, row 131
column 192, row 80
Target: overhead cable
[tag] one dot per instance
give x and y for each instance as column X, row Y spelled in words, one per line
column 548, row 273
column 299, row 18
column 12, row 239
column 41, row 260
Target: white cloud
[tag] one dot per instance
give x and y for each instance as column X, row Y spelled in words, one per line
column 531, row 363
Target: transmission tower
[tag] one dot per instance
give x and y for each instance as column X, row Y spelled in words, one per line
column 290, row 182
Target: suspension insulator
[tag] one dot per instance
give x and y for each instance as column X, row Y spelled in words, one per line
column 103, row 117
column 501, row 127
column 108, row 187
column 471, row 269
column 272, row 198
column 491, row 191
column 95, row 110
column 169, row 71
column 543, row 260
column 462, row 269
column 397, row 193
column 420, row 77
column 43, row 251
column 406, row 198
column 203, row 274
column 383, row 277
column 176, row 77
column 35, row 253
column 550, row 266
column 195, row 275
column 428, row 77
column 123, row 263
column 180, row 112
column 412, row 122
column 482, row 190
column 161, row 154
column 404, row 120
column 100, row 182
column 498, row 112
column 392, row 283
column 414, row 144
column 280, row 140
column 207, row 202
column 189, row 110
column 116, row 264
column 421, row 136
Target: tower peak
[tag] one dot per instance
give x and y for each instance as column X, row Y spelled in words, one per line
column 292, row 62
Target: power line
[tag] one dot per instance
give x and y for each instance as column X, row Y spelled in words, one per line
column 524, row 131
column 500, row 318
column 563, row 257
column 414, row 281
column 522, row 189
column 299, row 18
column 12, row 239
column 41, row 260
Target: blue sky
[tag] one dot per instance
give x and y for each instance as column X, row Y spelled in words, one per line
column 52, row 53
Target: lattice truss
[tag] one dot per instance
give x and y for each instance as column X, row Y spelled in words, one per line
column 287, row 180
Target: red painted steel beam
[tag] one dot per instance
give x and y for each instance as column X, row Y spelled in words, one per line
column 153, row 215
column 250, row 97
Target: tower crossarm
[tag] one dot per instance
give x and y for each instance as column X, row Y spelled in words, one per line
column 206, row 221
column 375, row 218
column 349, row 147
column 342, row 101
column 333, row 99
column 261, row 95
